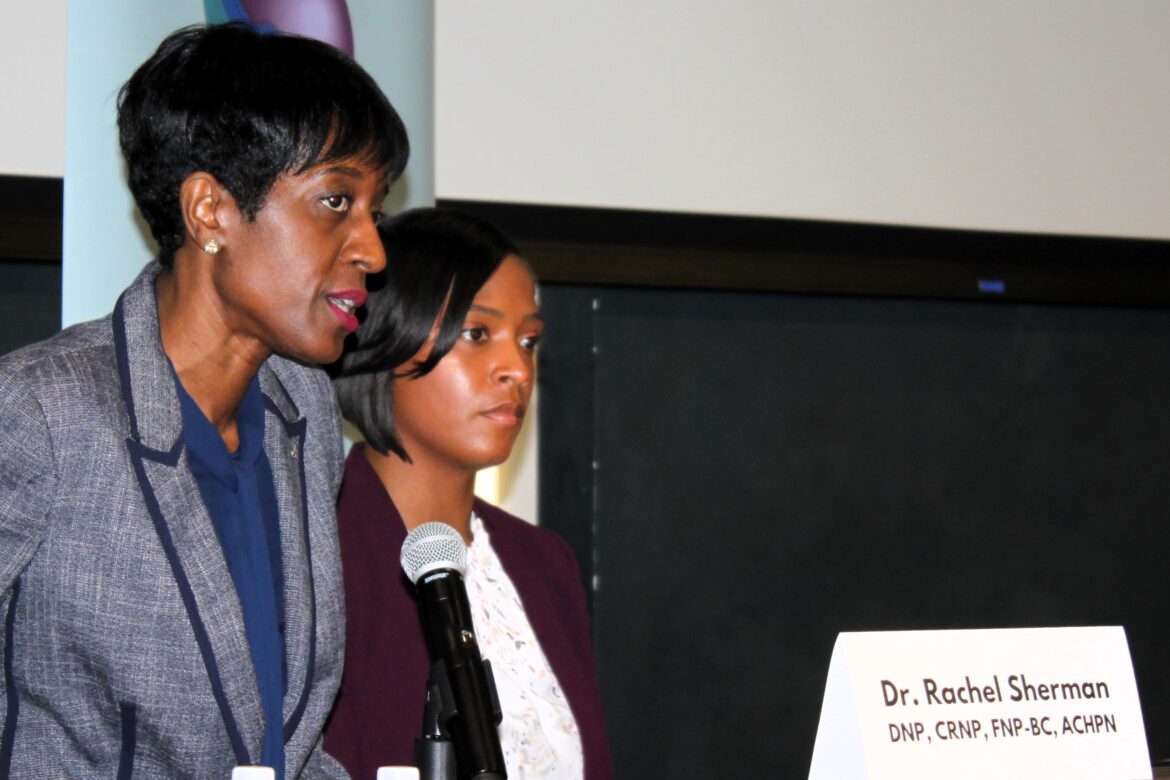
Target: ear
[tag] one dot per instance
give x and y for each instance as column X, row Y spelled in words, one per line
column 202, row 200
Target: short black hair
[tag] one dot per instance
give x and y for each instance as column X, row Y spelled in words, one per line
column 246, row 107
column 436, row 261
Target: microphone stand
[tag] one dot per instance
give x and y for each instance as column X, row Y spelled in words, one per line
column 434, row 752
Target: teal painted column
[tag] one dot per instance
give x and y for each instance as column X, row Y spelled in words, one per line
column 395, row 42
column 105, row 242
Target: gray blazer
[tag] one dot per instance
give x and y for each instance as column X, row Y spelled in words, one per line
column 124, row 650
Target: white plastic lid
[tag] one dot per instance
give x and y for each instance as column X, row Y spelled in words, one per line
column 253, row 773
column 397, row 773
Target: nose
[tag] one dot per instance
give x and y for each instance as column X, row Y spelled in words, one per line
column 365, row 250
column 515, row 365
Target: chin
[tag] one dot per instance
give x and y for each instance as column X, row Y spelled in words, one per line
column 487, row 460
column 314, row 354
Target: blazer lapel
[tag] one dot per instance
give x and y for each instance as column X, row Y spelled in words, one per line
column 284, row 441
column 180, row 518
column 551, row 621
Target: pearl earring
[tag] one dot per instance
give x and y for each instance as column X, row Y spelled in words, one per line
column 211, row 247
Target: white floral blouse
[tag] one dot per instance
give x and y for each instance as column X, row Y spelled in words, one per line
column 538, row 734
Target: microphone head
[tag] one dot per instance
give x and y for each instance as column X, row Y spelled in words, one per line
column 433, row 546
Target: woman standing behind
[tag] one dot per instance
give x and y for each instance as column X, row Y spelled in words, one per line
column 439, row 384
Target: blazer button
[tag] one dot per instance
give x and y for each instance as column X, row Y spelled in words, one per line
column 292, row 451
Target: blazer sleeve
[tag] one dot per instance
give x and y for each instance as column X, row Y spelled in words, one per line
column 587, row 702
column 28, row 478
column 571, row 573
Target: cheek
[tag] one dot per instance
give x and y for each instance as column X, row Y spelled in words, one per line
column 460, row 391
column 449, row 390
column 291, row 255
column 421, row 404
column 444, row 400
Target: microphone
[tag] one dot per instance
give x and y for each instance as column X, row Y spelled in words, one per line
column 434, row 558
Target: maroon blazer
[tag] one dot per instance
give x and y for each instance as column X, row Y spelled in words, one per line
column 379, row 709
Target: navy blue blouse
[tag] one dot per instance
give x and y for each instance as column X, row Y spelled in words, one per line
column 237, row 490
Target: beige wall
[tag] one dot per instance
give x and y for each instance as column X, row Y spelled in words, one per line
column 1032, row 115
column 32, row 88
column 1035, row 115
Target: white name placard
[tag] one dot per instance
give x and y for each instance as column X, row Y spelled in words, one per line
column 1006, row 703
column 253, row 773
column 397, row 773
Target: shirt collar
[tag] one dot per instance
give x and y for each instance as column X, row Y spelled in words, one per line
column 206, row 445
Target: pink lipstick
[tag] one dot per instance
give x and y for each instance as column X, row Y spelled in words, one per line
column 345, row 304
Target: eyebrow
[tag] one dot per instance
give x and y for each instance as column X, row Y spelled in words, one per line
column 343, row 170
column 353, row 173
column 497, row 313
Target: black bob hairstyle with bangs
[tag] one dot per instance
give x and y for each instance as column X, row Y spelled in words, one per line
column 246, row 107
column 436, row 261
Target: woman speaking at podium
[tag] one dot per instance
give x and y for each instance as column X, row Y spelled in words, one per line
column 439, row 383
column 170, row 582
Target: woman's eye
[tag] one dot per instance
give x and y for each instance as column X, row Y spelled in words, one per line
column 336, row 202
column 529, row 342
column 474, row 334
